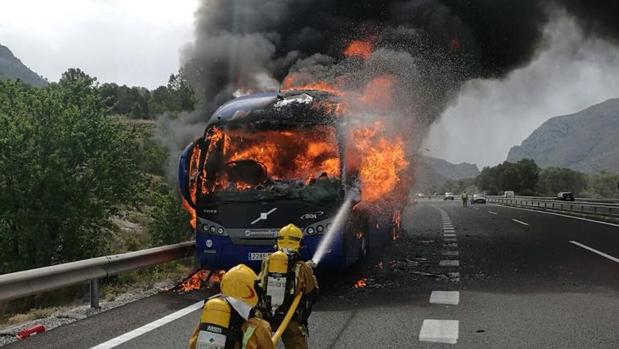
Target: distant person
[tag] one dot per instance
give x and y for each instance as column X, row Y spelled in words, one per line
column 282, row 277
column 465, row 199
column 227, row 320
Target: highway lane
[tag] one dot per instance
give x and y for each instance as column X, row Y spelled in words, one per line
column 519, row 286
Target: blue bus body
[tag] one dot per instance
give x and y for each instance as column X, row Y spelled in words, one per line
column 233, row 228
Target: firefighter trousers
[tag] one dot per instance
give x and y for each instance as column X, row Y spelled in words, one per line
column 295, row 336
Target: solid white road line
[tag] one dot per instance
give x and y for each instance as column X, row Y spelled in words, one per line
column 445, row 297
column 614, row 259
column 449, row 263
column 521, row 222
column 149, row 327
column 439, row 331
column 561, row 215
column 492, row 212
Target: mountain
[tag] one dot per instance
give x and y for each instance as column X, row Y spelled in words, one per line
column 586, row 141
column 12, row 68
column 433, row 172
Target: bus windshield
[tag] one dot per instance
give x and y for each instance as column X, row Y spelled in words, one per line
column 250, row 164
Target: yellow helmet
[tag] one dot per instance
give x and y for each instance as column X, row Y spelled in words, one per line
column 239, row 283
column 289, row 238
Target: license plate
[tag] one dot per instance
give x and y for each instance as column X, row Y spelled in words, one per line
column 258, row 256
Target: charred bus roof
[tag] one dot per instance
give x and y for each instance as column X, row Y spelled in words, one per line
column 277, row 110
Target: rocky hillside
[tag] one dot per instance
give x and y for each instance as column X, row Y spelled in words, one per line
column 12, row 68
column 433, row 172
column 586, row 141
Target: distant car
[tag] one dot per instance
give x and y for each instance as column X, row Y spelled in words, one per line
column 509, row 194
column 565, row 196
column 449, row 196
column 479, row 199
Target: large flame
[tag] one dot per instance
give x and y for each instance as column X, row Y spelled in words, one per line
column 285, row 155
column 382, row 163
column 375, row 151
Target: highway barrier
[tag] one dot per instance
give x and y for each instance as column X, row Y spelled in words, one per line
column 28, row 282
column 579, row 207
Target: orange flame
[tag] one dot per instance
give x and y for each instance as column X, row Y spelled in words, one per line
column 191, row 211
column 299, row 81
column 361, row 283
column 298, row 155
column 199, row 278
column 397, row 224
column 382, row 162
column 359, row 48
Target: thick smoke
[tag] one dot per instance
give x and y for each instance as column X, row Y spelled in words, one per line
column 432, row 47
column 253, row 45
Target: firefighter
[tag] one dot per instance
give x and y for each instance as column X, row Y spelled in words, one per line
column 465, row 198
column 282, row 276
column 228, row 320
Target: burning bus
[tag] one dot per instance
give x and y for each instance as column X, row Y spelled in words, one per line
column 271, row 159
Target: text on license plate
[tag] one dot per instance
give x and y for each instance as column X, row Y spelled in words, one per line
column 258, row 256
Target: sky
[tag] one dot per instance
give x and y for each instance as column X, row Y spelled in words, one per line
column 133, row 42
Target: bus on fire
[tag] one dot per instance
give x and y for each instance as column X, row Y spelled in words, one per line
column 271, row 159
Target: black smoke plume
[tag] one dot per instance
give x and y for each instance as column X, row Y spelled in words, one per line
column 431, row 45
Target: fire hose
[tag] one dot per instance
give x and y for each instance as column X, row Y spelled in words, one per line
column 282, row 327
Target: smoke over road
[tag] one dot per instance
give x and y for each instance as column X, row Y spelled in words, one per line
column 246, row 44
column 431, row 47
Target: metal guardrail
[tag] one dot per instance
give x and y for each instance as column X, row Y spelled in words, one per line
column 606, row 209
column 28, row 282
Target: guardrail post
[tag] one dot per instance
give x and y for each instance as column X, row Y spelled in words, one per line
column 94, row 294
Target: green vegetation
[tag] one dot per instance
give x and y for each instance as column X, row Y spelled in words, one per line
column 554, row 179
column 521, row 177
column 68, row 171
column 526, row 178
column 140, row 103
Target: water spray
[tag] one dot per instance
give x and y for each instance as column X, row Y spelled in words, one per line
column 336, row 225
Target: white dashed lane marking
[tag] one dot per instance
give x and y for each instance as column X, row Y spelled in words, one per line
column 452, row 245
column 520, row 222
column 605, row 255
column 449, row 263
column 447, row 235
column 450, row 253
column 450, row 240
column 445, row 297
column 439, row 331
column 492, row 212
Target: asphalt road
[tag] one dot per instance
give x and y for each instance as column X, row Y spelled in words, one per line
column 517, row 280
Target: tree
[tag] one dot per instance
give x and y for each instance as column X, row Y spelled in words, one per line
column 553, row 180
column 64, row 169
column 528, row 172
column 603, row 185
column 521, row 177
column 169, row 222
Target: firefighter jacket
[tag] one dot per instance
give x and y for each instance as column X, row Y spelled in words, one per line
column 240, row 333
column 297, row 277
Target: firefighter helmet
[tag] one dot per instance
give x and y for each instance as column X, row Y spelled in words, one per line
column 239, row 283
column 289, row 238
